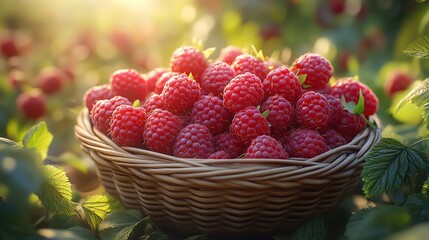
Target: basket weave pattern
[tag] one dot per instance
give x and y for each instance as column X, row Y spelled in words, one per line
column 227, row 197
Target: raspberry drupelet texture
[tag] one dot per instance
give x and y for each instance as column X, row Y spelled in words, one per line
column 336, row 108
column 283, row 82
column 159, row 85
column 312, row 111
column 188, row 60
column 305, row 143
column 317, row 68
column 349, row 125
column 153, row 76
column 209, row 111
column 153, row 102
column 248, row 63
column 350, row 89
column 280, row 112
column 180, row 93
column 219, row 155
column 228, row 54
column 160, row 131
column 96, row 93
column 102, row 111
column 194, row 141
column 266, row 147
column 333, row 138
column 244, row 90
column 126, row 127
column 249, row 123
column 216, row 77
column 229, row 143
column 128, row 83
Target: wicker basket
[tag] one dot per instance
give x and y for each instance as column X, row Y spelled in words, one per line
column 233, row 197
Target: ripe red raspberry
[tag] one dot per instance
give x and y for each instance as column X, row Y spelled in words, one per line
column 180, row 93
column 324, row 90
column 209, row 111
column 185, row 118
column 50, row 80
column 397, row 81
column 219, row 155
column 280, row 112
column 333, row 138
column 229, row 143
column 312, row 111
column 266, row 147
column 161, row 130
column 16, row 79
column 128, row 83
column 317, row 68
column 126, row 126
column 153, row 102
column 102, row 111
column 350, row 88
column 244, row 90
column 32, row 105
column 153, row 76
column 9, row 47
column 306, row 143
column 96, row 93
column 249, row 123
column 228, row 54
column 247, row 63
column 284, row 82
column 336, row 108
column 216, row 77
column 159, row 85
column 194, row 141
column 349, row 125
column 188, row 60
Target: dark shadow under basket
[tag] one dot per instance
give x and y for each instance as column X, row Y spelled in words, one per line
column 233, row 197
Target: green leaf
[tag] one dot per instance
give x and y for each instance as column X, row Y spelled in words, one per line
column 7, row 143
column 378, row 223
column 390, row 165
column 302, row 78
column 359, row 108
column 82, row 233
column 426, row 115
column 208, row 52
column 418, row 95
column 349, row 106
column 425, row 189
column 55, row 192
column 96, row 208
column 39, row 138
column 313, row 229
column 419, row 48
column 417, row 232
column 157, row 235
column 120, row 225
column 266, row 113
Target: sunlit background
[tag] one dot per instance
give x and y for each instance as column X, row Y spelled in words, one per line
column 87, row 40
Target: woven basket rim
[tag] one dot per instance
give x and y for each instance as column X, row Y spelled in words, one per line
column 85, row 131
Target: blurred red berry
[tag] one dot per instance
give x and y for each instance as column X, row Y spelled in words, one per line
column 397, row 81
column 51, row 80
column 228, row 54
column 31, row 105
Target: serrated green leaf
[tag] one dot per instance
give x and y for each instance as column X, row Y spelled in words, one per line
column 7, row 143
column 82, row 233
column 96, row 208
column 418, row 95
column 419, row 48
column 425, row 189
column 378, row 223
column 313, row 229
column 39, row 138
column 208, row 52
column 349, row 106
column 426, row 115
column 390, row 165
column 120, row 225
column 55, row 191
column 359, row 108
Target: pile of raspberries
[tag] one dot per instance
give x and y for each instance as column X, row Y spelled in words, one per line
column 236, row 106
